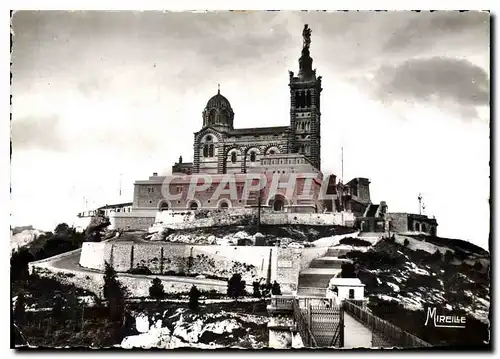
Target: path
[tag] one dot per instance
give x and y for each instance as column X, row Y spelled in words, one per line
column 356, row 335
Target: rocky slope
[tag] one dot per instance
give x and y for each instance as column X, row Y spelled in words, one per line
column 405, row 276
column 250, row 235
column 179, row 327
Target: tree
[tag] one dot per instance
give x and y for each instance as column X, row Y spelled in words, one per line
column 448, row 256
column 348, row 270
column 256, row 289
column 114, row 293
column 20, row 309
column 436, row 256
column 61, row 228
column 57, row 309
column 19, row 264
column 156, row 290
column 406, row 242
column 194, row 296
column 236, row 286
column 276, row 289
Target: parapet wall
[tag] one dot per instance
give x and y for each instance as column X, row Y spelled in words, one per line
column 131, row 220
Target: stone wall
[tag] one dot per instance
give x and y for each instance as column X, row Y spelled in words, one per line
column 164, row 258
column 216, row 261
column 92, row 255
column 137, row 286
column 190, row 219
column 131, row 220
column 399, row 222
column 288, row 268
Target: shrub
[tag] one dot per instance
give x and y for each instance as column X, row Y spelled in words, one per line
column 140, row 270
column 236, row 286
column 194, row 296
column 355, row 242
column 156, row 291
column 276, row 289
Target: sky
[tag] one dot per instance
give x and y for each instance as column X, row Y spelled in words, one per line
column 103, row 98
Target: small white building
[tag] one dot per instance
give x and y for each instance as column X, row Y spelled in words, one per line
column 345, row 288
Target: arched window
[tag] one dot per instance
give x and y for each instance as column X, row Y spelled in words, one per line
column 417, row 227
column 211, row 118
column 308, row 100
column 208, row 147
column 224, row 205
column 252, row 156
column 423, row 227
column 193, row 206
column 233, row 157
column 163, row 206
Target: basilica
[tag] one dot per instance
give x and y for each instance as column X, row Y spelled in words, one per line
column 221, row 148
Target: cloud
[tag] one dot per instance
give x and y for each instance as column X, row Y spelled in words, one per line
column 37, row 133
column 455, row 84
column 424, row 29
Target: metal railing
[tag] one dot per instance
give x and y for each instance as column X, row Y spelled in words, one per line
column 303, row 326
column 281, row 302
column 383, row 331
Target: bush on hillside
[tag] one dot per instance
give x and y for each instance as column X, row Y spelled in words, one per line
column 156, row 290
column 355, row 242
column 236, row 286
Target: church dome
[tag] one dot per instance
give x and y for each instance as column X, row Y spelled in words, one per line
column 218, row 113
column 218, row 101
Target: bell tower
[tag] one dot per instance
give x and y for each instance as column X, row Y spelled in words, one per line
column 305, row 114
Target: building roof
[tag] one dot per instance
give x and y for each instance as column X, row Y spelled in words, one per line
column 117, row 205
column 259, row 130
column 218, row 101
column 349, row 282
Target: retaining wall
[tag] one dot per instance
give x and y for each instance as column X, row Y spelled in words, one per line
column 219, row 261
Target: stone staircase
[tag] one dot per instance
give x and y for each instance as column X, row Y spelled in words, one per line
column 315, row 279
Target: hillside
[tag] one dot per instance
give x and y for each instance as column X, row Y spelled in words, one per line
column 22, row 236
column 402, row 280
